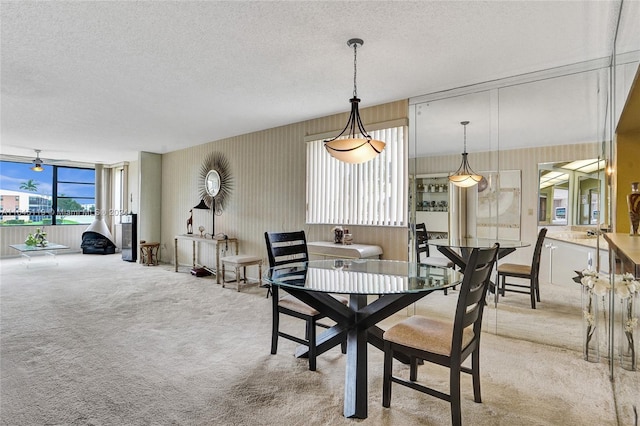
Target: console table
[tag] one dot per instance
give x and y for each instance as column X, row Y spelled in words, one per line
column 328, row 250
column 213, row 241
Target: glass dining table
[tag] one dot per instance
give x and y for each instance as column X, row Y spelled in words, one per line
column 397, row 284
column 450, row 246
column 458, row 249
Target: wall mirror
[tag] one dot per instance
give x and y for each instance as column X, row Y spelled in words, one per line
column 557, row 130
column 572, row 193
column 541, row 129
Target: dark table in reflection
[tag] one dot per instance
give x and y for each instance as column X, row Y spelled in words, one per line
column 398, row 284
column 450, row 246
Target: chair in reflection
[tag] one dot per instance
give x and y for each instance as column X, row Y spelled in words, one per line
column 422, row 250
column 444, row 343
column 527, row 272
column 286, row 250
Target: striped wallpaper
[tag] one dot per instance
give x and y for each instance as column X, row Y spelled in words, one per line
column 269, row 170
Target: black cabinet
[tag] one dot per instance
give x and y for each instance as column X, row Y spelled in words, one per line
column 130, row 237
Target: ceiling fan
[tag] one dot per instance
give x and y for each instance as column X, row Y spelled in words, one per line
column 37, row 162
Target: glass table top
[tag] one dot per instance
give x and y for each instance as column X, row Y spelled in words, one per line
column 49, row 246
column 477, row 243
column 363, row 276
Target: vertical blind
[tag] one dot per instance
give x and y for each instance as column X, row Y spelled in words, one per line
column 370, row 193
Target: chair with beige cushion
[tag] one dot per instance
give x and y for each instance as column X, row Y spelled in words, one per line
column 444, row 343
column 527, row 272
column 285, row 251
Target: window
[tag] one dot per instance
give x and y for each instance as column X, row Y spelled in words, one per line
column 56, row 196
column 370, row 193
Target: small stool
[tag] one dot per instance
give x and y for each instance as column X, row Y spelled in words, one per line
column 149, row 253
column 241, row 261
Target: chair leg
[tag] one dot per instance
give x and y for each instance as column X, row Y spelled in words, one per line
column 454, row 390
column 475, row 374
column 413, row 368
column 532, row 292
column 386, row 375
column 538, row 289
column 223, row 272
column 311, row 332
column 275, row 321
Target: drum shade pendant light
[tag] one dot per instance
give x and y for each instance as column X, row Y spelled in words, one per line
column 356, row 146
column 465, row 177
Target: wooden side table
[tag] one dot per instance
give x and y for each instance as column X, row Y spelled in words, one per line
column 149, row 253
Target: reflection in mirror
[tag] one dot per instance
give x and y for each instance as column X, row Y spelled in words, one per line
column 569, row 192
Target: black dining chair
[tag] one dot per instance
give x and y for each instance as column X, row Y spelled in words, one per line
column 423, row 255
column 443, row 342
column 286, row 250
column 527, row 272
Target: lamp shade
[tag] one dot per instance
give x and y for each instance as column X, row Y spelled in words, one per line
column 37, row 167
column 202, row 206
column 465, row 181
column 353, row 150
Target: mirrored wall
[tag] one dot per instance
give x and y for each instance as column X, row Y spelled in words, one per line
column 542, row 144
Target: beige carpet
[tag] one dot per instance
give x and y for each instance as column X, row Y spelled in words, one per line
column 99, row 341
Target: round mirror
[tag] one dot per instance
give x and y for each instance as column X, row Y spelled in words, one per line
column 212, row 183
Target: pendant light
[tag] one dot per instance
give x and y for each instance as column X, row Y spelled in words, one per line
column 465, row 177
column 357, row 146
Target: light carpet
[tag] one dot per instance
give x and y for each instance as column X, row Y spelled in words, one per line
column 99, row 341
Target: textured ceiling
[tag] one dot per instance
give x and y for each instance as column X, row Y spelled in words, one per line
column 100, row 81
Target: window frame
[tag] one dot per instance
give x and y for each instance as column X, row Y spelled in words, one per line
column 51, row 209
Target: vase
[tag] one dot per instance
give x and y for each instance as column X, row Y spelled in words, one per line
column 338, row 235
column 633, row 203
column 628, row 348
column 590, row 341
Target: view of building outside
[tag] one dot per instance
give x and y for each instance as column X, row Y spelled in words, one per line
column 27, row 197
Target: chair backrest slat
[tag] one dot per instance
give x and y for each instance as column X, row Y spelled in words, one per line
column 286, row 247
column 473, row 291
column 422, row 241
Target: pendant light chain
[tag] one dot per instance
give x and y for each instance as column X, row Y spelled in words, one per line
column 465, row 138
column 464, row 125
column 355, row 69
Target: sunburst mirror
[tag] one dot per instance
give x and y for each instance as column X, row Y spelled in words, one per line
column 215, row 182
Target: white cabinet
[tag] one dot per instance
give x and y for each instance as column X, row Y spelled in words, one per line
column 560, row 260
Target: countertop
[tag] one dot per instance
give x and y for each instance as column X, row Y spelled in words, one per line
column 627, row 248
column 577, row 234
column 580, row 238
